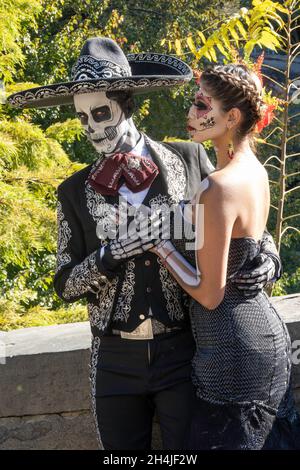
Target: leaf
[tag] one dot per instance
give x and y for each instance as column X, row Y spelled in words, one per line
column 202, row 37
column 221, row 49
column 226, row 41
column 191, row 45
column 249, row 46
column 213, row 54
column 234, row 35
column 241, row 29
column 178, row 48
column 268, row 40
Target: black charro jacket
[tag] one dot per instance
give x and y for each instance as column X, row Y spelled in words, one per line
column 123, row 300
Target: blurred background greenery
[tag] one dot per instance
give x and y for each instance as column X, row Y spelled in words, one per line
column 39, row 42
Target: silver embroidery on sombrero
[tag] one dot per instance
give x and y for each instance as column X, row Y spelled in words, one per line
column 93, row 372
column 173, row 62
column 123, row 306
column 64, row 234
column 99, row 315
column 83, row 86
column 88, row 67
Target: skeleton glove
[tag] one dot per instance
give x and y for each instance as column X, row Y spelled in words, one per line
column 142, row 235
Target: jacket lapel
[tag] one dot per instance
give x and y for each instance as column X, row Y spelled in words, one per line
column 171, row 183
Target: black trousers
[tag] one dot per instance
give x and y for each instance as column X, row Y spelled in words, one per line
column 133, row 379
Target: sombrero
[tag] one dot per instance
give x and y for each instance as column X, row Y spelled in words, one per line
column 102, row 66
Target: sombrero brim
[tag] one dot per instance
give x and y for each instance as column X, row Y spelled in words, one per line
column 150, row 72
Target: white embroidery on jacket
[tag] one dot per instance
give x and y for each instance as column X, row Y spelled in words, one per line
column 83, row 276
column 172, row 292
column 99, row 315
column 123, row 306
column 93, row 375
column 63, row 236
column 176, row 175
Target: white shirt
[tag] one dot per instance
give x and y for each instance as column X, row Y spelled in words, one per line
column 135, row 199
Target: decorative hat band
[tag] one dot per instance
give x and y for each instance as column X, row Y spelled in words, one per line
column 88, row 67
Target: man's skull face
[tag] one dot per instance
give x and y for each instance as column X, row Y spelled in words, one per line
column 102, row 119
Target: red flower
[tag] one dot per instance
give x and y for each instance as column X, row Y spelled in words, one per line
column 267, row 117
column 197, row 75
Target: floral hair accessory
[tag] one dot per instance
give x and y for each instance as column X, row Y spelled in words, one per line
column 269, row 103
column 267, row 116
column 197, row 75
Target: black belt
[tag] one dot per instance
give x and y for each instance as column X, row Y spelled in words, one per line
column 165, row 329
column 158, row 328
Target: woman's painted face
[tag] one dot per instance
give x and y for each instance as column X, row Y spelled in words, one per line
column 205, row 118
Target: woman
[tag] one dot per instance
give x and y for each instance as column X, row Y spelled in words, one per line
column 242, row 364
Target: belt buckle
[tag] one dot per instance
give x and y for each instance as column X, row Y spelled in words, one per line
column 143, row 331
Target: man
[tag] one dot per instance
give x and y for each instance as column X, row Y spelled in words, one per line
column 142, row 343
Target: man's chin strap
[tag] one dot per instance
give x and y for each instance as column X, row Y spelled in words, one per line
column 169, row 255
column 127, row 141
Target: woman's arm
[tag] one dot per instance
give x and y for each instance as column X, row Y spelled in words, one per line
column 206, row 284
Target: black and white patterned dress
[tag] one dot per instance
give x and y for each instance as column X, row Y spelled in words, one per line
column 241, row 367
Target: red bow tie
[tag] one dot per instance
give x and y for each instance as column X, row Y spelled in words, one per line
column 139, row 172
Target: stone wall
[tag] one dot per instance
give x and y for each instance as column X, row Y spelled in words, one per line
column 44, row 383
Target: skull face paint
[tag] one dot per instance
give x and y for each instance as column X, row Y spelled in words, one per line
column 205, row 117
column 104, row 122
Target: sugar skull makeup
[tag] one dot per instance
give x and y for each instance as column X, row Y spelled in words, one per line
column 104, row 121
column 205, row 119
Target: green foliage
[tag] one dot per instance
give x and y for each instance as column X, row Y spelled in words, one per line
column 11, row 319
column 39, row 42
column 14, row 16
column 246, row 28
column 67, row 131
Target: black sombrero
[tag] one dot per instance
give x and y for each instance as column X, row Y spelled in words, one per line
column 102, row 66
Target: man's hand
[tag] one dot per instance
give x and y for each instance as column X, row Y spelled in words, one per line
column 142, row 236
column 143, row 233
column 253, row 280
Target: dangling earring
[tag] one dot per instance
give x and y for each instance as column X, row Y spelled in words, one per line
column 230, row 151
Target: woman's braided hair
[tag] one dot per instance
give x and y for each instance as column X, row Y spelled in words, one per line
column 234, row 86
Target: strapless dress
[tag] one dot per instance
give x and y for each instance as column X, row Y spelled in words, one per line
column 241, row 367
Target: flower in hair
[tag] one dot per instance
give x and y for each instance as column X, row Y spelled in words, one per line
column 269, row 103
column 267, row 116
column 197, row 75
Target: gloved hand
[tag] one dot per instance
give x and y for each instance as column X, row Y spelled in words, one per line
column 142, row 235
column 253, row 280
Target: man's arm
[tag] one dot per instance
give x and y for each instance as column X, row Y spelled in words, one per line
column 268, row 247
column 76, row 274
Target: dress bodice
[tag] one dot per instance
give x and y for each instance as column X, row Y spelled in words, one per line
column 242, row 346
